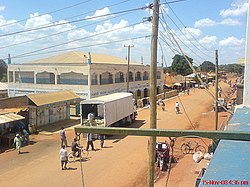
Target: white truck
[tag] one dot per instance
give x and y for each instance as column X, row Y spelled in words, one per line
column 110, row 110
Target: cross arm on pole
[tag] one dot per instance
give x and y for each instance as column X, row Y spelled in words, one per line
column 227, row 135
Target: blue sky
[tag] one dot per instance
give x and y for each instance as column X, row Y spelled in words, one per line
column 210, row 25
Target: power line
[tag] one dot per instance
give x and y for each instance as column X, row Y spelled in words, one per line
column 92, row 45
column 52, row 12
column 84, row 19
column 185, row 35
column 187, row 29
column 15, row 44
column 172, row 33
column 74, row 21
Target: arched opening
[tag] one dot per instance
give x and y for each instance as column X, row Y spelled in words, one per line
column 158, row 75
column 145, row 75
column 138, row 94
column 138, row 76
column 106, row 78
column 45, row 78
column 119, row 77
column 146, row 92
column 72, row 78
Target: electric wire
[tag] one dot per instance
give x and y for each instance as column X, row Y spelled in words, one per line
column 185, row 35
column 186, row 28
column 52, row 12
column 87, row 37
column 172, row 33
column 74, row 21
column 84, row 19
column 47, row 36
column 92, row 45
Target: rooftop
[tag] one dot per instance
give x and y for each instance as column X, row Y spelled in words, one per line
column 231, row 159
column 80, row 58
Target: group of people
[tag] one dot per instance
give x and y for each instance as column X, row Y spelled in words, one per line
column 75, row 147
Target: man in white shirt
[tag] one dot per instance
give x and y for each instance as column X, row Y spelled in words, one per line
column 64, row 157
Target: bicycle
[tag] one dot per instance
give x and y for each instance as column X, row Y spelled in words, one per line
column 72, row 157
column 186, row 147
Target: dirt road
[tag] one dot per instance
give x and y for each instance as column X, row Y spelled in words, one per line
column 123, row 161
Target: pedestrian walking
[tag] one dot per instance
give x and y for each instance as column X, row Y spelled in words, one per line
column 162, row 105
column 63, row 137
column 18, row 142
column 102, row 138
column 177, row 107
column 26, row 136
column 63, row 157
column 90, row 142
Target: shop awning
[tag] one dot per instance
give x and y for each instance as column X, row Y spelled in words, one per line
column 10, row 117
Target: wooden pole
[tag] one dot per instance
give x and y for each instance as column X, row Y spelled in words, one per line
column 216, row 89
column 128, row 46
column 153, row 113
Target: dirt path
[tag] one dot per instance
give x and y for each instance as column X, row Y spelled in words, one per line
column 123, row 162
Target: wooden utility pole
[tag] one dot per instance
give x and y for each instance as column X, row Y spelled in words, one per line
column 153, row 67
column 216, row 89
column 128, row 46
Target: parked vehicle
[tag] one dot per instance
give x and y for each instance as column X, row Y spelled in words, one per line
column 110, row 110
column 222, row 104
column 195, row 146
column 162, row 155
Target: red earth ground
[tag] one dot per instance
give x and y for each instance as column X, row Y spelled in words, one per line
column 122, row 162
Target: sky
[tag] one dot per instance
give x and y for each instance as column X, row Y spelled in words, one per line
column 199, row 27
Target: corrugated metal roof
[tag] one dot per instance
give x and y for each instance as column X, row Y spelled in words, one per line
column 52, row 97
column 231, row 160
column 80, row 58
column 3, row 86
column 9, row 117
column 107, row 98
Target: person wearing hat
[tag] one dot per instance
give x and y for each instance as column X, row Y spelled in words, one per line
column 18, row 142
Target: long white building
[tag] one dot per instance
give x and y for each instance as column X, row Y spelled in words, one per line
column 87, row 74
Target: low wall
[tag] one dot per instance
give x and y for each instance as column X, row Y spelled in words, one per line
column 145, row 101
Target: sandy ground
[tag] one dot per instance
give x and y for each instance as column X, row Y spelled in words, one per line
column 122, row 162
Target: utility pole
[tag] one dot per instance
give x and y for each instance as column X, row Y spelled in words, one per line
column 128, row 46
column 216, row 89
column 153, row 66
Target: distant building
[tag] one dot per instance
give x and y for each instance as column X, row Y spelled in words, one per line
column 88, row 75
column 241, row 61
column 3, row 90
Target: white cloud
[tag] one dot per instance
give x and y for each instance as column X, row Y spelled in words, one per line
column 98, row 15
column 2, row 8
column 235, row 10
column 35, row 20
column 230, row 22
column 206, row 22
column 208, row 41
column 231, row 41
column 188, row 31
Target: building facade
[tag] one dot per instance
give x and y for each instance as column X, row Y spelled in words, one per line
column 88, row 75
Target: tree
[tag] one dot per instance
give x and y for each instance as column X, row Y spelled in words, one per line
column 181, row 66
column 233, row 68
column 3, row 71
column 207, row 66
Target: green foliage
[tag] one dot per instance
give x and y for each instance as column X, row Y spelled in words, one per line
column 207, row 66
column 3, row 71
column 180, row 65
column 233, row 68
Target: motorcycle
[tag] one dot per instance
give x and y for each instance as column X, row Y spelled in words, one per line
column 162, row 155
